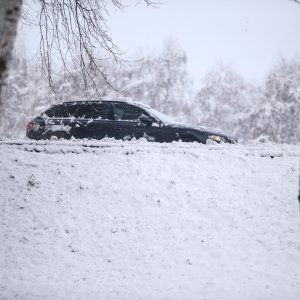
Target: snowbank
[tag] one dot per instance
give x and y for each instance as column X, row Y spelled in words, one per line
column 138, row 220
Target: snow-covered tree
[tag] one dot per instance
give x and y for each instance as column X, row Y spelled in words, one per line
column 159, row 80
column 25, row 95
column 225, row 101
column 278, row 114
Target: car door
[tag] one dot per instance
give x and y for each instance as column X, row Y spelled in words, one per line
column 58, row 118
column 128, row 124
column 94, row 120
column 161, row 133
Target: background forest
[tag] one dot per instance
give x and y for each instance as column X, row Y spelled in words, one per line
column 223, row 99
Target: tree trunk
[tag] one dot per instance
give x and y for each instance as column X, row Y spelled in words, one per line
column 9, row 17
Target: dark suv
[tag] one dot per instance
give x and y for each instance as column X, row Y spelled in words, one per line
column 116, row 118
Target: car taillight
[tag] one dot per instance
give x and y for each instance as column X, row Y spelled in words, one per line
column 29, row 125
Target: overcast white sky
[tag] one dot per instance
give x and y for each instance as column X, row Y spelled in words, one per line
column 249, row 34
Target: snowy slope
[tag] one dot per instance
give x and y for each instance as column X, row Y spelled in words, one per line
column 138, row 220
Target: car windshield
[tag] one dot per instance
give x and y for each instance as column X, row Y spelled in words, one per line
column 162, row 117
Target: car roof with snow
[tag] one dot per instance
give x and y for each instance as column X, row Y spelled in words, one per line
column 109, row 99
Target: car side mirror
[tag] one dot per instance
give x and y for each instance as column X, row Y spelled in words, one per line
column 146, row 120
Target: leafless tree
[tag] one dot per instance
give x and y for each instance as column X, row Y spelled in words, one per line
column 70, row 30
column 76, row 31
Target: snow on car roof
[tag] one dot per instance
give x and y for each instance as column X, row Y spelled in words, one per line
column 110, row 99
column 118, row 99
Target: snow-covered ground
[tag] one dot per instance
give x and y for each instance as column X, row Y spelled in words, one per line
column 138, row 220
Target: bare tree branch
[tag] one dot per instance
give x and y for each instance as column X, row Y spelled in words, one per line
column 77, row 29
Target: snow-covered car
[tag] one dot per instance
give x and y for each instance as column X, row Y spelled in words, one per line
column 118, row 118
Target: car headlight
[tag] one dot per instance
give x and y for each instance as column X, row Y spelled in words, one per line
column 217, row 138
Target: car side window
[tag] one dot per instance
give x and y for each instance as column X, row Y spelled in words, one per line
column 94, row 111
column 60, row 111
column 72, row 109
column 126, row 112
